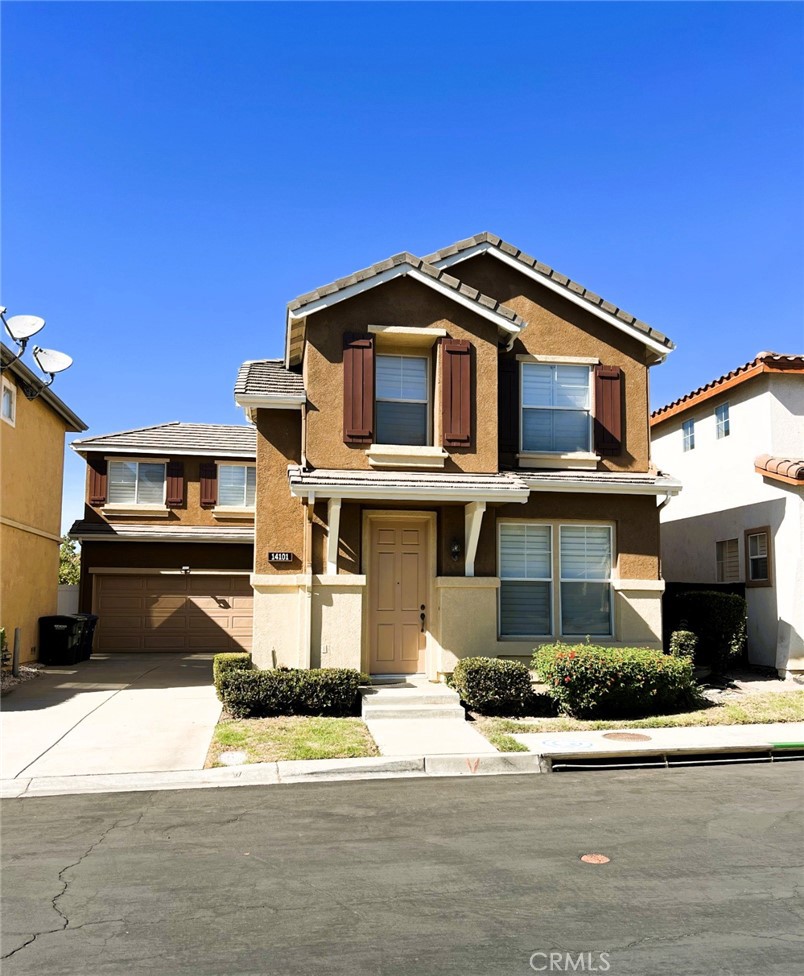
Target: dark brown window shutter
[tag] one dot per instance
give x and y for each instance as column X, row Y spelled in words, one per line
column 608, row 410
column 97, row 480
column 456, row 393
column 508, row 408
column 175, row 484
column 358, row 389
column 208, row 476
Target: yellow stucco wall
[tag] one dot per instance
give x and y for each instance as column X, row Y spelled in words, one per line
column 31, row 471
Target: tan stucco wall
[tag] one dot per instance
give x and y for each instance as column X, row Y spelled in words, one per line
column 635, row 518
column 400, row 302
column 337, row 623
column 558, row 327
column 189, row 513
column 31, row 471
column 280, row 517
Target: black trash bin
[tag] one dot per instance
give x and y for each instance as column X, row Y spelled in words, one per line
column 60, row 639
column 90, row 622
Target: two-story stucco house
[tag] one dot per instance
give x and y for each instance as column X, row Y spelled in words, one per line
column 737, row 445
column 453, row 459
column 167, row 538
column 32, row 467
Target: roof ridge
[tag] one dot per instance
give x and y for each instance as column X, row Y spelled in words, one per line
column 131, row 430
column 546, row 271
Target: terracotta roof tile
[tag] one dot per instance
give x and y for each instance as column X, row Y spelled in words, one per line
column 791, row 469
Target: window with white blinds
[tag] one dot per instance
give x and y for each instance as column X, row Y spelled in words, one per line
column 728, row 560
column 526, row 575
column 237, row 485
column 136, row 483
column 402, row 400
column 529, row 567
column 555, row 408
column 585, row 557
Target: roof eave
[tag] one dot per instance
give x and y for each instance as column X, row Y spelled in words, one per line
column 666, row 486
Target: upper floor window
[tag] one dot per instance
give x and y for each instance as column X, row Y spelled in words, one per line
column 237, row 485
column 136, row 483
column 728, row 561
column 757, row 557
column 402, row 401
column 722, row 420
column 688, row 434
column 556, row 414
column 8, row 405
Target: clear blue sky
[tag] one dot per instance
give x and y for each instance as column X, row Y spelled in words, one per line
column 175, row 173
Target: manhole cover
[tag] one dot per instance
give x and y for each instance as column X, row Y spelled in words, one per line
column 595, row 859
column 627, row 736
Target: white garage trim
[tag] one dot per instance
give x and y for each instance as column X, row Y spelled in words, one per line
column 127, row 570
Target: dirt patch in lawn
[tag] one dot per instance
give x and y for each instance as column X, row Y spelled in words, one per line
column 761, row 708
column 292, row 737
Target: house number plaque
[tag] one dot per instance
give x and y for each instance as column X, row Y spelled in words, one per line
column 280, row 557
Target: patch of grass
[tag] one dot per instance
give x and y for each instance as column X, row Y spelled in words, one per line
column 762, row 708
column 291, row 737
column 501, row 741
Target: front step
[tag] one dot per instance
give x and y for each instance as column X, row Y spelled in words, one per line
column 418, row 702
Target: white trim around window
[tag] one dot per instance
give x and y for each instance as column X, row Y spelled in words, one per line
column 559, row 576
column 584, row 455
column 144, row 491
column 8, row 405
column 427, row 401
column 236, row 493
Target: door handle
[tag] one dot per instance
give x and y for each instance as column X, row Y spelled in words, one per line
column 421, row 616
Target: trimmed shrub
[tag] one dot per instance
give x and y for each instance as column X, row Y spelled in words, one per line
column 588, row 681
column 223, row 664
column 718, row 619
column 683, row 643
column 291, row 691
column 491, row 686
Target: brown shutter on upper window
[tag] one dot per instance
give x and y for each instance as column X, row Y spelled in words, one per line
column 208, row 476
column 456, row 392
column 97, row 480
column 508, row 408
column 358, row 389
column 608, row 410
column 175, row 484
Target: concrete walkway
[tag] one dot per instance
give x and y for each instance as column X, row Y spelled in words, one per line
column 122, row 713
column 631, row 742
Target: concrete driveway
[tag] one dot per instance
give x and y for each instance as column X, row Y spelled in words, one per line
column 121, row 713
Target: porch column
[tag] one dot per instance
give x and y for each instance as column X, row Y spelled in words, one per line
column 333, row 531
column 473, row 519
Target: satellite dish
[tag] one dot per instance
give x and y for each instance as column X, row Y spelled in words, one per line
column 51, row 360
column 21, row 327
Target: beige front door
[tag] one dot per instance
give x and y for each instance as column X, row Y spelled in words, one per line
column 397, row 595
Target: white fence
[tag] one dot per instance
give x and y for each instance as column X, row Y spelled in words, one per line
column 68, row 598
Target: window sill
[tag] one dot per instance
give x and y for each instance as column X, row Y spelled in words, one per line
column 401, row 456
column 575, row 460
column 230, row 511
column 152, row 511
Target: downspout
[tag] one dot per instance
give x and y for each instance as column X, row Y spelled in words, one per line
column 307, row 614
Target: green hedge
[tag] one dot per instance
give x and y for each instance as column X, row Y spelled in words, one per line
column 588, row 681
column 718, row 620
column 683, row 643
column 491, row 686
column 286, row 691
column 223, row 664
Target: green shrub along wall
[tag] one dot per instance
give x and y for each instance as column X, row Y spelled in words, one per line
column 223, row 664
column 717, row 619
column 610, row 682
column 491, row 686
column 286, row 691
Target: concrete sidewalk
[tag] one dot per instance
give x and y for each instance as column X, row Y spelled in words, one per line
column 121, row 713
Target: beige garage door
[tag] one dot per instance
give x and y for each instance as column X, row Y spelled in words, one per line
column 173, row 613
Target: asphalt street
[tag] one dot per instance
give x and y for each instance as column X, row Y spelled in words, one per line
column 475, row 877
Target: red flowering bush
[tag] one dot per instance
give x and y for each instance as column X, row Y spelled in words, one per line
column 601, row 682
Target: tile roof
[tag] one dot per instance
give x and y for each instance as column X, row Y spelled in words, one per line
column 646, row 482
column 104, row 532
column 555, row 276
column 786, row 469
column 406, row 258
column 437, row 485
column 763, row 362
column 268, row 378
column 226, row 440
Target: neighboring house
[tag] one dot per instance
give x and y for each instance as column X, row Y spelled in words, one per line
column 453, row 458
column 32, row 455
column 167, row 538
column 737, row 446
